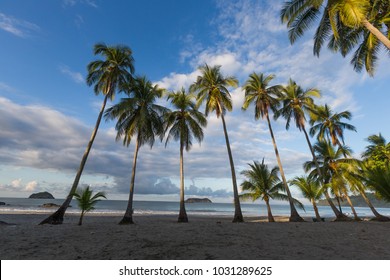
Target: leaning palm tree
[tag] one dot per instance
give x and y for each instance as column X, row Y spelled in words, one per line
column 311, row 189
column 265, row 98
column 183, row 125
column 334, row 167
column 296, row 103
column 299, row 15
column 140, row 118
column 262, row 183
column 108, row 77
column 86, row 201
column 211, row 87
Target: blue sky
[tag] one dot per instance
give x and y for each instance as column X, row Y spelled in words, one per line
column 47, row 112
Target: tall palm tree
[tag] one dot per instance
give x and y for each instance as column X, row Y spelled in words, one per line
column 344, row 24
column 377, row 154
column 211, row 86
column 311, row 189
column 265, row 97
column 108, row 77
column 262, row 183
column 184, row 124
column 296, row 103
column 138, row 117
column 334, row 167
column 87, row 201
column 329, row 126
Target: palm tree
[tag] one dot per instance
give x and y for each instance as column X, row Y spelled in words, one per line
column 262, row 183
column 328, row 125
column 265, row 97
column 86, row 201
column 377, row 154
column 334, row 168
column 311, row 189
column 138, row 117
column 184, row 124
column 296, row 103
column 344, row 24
column 212, row 87
column 108, row 77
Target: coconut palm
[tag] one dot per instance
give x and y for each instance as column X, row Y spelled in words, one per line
column 265, row 184
column 140, row 118
column 328, row 125
column 86, row 201
column 311, row 189
column 334, row 167
column 344, row 24
column 265, row 98
column 183, row 125
column 108, row 77
column 211, row 86
column 296, row 103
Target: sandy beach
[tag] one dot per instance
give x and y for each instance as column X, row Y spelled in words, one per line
column 203, row 238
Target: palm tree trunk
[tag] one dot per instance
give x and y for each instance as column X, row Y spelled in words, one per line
column 356, row 218
column 378, row 217
column 238, row 218
column 128, row 217
column 58, row 216
column 339, row 216
column 81, row 218
column 270, row 216
column 377, row 33
column 182, row 214
column 318, row 217
column 294, row 216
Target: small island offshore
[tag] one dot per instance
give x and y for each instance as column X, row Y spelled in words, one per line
column 198, row 200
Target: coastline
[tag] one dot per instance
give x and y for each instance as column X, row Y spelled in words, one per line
column 161, row 237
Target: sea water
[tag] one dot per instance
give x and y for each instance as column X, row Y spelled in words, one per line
column 23, row 205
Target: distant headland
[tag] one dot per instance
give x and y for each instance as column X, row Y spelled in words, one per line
column 42, row 195
column 198, row 200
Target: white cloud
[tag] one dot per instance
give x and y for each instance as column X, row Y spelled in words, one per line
column 71, row 3
column 17, row 27
column 77, row 77
column 31, row 186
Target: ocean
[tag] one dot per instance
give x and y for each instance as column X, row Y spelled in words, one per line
column 26, row 205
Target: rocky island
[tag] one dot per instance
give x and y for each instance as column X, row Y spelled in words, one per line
column 198, row 200
column 42, row 195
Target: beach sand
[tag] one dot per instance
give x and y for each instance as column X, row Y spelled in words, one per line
column 203, row 238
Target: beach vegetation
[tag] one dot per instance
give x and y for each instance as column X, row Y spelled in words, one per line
column 183, row 124
column 266, row 98
column 344, row 24
column 108, row 76
column 211, row 88
column 139, row 117
column 265, row 184
column 311, row 189
column 86, row 201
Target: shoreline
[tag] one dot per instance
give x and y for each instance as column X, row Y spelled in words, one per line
column 161, row 237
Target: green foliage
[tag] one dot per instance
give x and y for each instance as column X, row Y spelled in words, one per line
column 379, row 179
column 186, row 122
column 377, row 154
column 262, row 183
column 86, row 200
column 309, row 187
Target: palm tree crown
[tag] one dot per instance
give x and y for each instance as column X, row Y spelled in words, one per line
column 212, row 86
column 112, row 73
column 326, row 123
column 296, row 102
column 186, row 122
